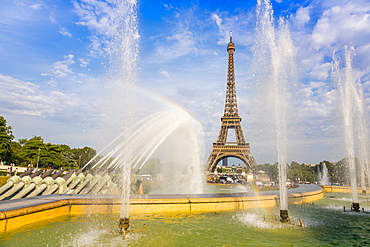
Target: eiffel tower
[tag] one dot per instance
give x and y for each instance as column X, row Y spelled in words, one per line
column 222, row 149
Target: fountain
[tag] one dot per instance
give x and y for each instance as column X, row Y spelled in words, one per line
column 194, row 218
column 352, row 107
column 236, row 227
column 275, row 70
column 323, row 175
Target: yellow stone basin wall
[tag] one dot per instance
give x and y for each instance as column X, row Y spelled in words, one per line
column 342, row 189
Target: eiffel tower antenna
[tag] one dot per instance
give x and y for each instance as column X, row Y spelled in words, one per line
column 222, row 149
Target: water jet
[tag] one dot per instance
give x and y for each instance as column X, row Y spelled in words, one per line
column 275, row 70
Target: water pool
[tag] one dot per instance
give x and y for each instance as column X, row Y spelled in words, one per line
column 325, row 224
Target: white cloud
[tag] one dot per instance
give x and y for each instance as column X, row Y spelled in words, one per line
column 61, row 68
column 302, row 16
column 179, row 44
column 52, row 17
column 36, row 6
column 52, row 83
column 180, row 39
column 224, row 31
column 321, row 72
column 237, row 23
column 26, row 98
column 165, row 73
column 83, row 62
column 217, row 19
column 347, row 24
column 64, row 31
column 106, row 21
column 168, row 6
column 340, row 24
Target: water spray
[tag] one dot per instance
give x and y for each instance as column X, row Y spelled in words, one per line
column 284, row 218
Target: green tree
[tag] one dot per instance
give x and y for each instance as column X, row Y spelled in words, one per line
column 301, row 172
column 342, row 173
column 68, row 160
column 16, row 149
column 33, row 150
column 84, row 155
column 51, row 156
column 270, row 170
column 6, row 137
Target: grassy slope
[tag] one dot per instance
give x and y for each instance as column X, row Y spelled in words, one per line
column 3, row 180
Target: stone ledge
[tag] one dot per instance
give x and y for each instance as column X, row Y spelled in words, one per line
column 341, row 189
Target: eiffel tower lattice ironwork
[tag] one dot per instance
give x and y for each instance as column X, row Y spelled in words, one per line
column 222, row 149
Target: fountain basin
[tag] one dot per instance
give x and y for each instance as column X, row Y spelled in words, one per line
column 20, row 212
column 341, row 189
column 325, row 224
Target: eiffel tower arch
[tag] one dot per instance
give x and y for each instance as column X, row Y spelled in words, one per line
column 222, row 149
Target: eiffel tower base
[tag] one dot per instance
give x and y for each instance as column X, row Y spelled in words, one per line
column 222, row 151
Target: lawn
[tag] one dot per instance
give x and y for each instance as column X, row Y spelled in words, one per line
column 3, row 180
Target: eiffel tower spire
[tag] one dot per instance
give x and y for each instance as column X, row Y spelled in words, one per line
column 231, row 107
column 231, row 120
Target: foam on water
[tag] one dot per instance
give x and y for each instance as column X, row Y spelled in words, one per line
column 88, row 238
column 334, row 207
column 255, row 220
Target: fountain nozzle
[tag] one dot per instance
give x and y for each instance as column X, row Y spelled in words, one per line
column 124, row 225
column 355, row 207
column 284, row 216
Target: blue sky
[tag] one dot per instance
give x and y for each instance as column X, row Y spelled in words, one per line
column 54, row 68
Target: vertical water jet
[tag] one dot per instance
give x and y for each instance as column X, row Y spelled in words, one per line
column 353, row 118
column 323, row 175
column 275, row 69
column 123, row 52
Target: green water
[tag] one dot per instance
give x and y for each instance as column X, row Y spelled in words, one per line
column 325, row 224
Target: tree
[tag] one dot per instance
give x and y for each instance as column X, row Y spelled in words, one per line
column 16, row 149
column 270, row 170
column 68, row 160
column 342, row 172
column 6, row 137
column 51, row 156
column 301, row 172
column 33, row 150
column 84, row 155
column 37, row 153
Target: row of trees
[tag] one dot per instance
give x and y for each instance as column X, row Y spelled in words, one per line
column 337, row 172
column 35, row 152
